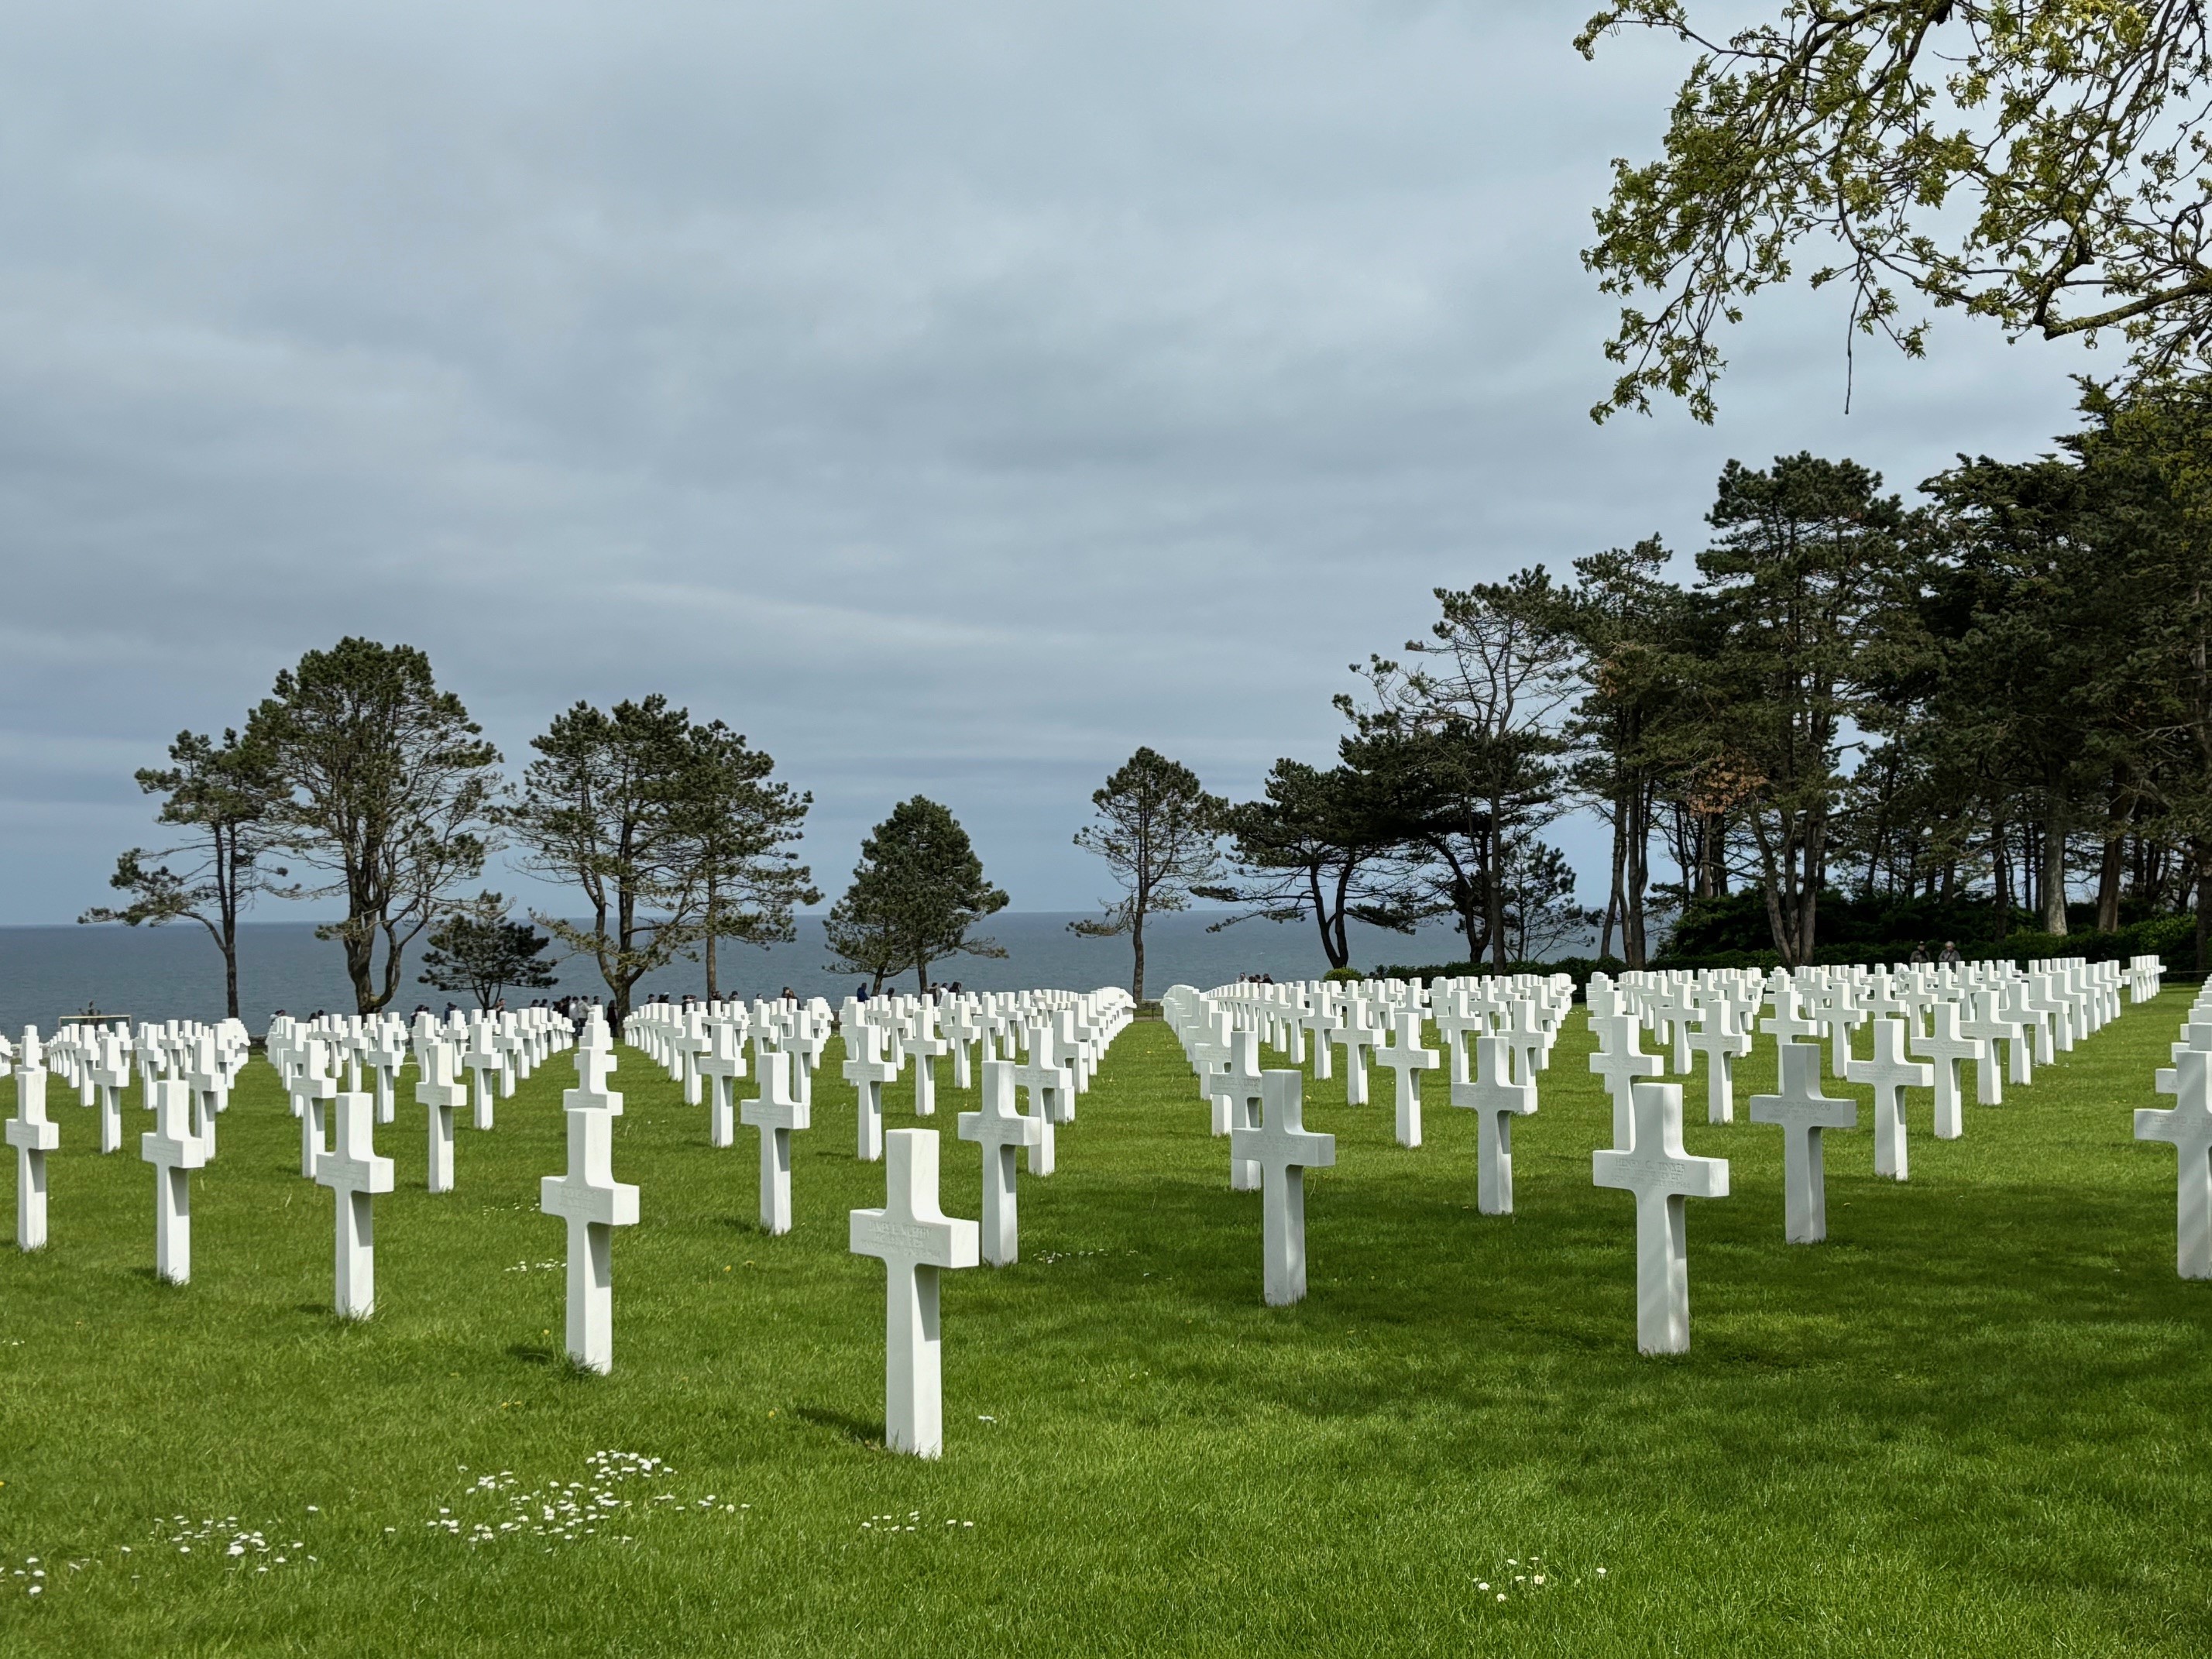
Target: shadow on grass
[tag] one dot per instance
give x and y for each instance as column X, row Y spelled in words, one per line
column 860, row 1433
column 531, row 1353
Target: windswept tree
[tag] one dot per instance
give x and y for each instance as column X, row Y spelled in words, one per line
column 1319, row 846
column 739, row 830
column 479, row 950
column 917, row 894
column 606, row 809
column 2149, row 460
column 863, row 937
column 386, row 787
column 220, row 796
column 1484, row 697
column 1159, row 833
column 1808, row 556
column 2039, row 162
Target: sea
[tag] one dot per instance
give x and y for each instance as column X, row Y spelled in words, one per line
column 175, row 972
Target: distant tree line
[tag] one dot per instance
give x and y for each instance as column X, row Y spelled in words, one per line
column 1862, row 718
column 384, row 795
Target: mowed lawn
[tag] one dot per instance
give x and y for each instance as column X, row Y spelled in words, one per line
column 1977, row 1420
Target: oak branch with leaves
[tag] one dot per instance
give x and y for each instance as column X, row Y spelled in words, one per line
column 2041, row 163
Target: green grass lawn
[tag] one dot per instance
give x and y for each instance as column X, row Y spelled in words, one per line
column 1977, row 1420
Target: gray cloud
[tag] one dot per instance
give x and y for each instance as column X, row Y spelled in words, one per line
column 951, row 399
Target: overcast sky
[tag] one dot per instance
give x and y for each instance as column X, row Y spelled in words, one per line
column 950, row 398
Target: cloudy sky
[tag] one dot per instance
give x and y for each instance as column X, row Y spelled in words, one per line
column 952, row 397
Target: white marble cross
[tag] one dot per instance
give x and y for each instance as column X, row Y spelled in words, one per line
column 483, row 1059
column 1803, row 1111
column 111, row 1075
column 915, row 1240
column 1237, row 1092
column 2188, row 1125
column 1284, row 1149
column 354, row 1174
column 1788, row 1021
column 1717, row 1039
column 776, row 1112
column 1620, row 1060
column 2034, row 1039
column 174, row 1151
column 1655, row 1169
column 1049, row 1087
column 33, row 1135
column 385, row 1053
column 1839, row 1019
column 1408, row 1059
column 721, row 1065
column 1496, row 1100
column 439, row 1093
column 1947, row 1048
column 312, row 1089
column 1322, row 1020
column 1989, row 1027
column 1356, row 1039
column 596, row 1061
column 965, row 1027
column 923, row 1046
column 1001, row 1129
column 593, row 1204
column 867, row 1071
column 1890, row 1073
column 211, row 1087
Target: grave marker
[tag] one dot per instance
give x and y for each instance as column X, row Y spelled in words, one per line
column 174, row 1151
column 1802, row 1112
column 593, row 1204
column 440, row 1092
column 355, row 1175
column 915, row 1240
column 32, row 1135
column 776, row 1112
column 1496, row 1100
column 1662, row 1175
column 2188, row 1126
column 1890, row 1073
column 1284, row 1149
column 1000, row 1129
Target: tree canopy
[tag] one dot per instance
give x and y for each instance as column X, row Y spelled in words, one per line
column 2039, row 163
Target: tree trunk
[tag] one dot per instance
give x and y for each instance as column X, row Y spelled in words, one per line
column 2108, row 884
column 713, row 910
column 2112, row 868
column 2204, row 851
column 1494, row 894
column 1613, row 900
column 1137, row 948
column 2054, row 864
column 2001, row 869
column 361, row 962
column 1635, row 945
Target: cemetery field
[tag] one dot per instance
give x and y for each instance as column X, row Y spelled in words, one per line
column 1975, row 1421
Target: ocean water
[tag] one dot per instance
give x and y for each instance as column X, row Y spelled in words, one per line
column 176, row 972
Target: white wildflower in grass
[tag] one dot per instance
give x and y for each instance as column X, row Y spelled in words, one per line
column 568, row 1511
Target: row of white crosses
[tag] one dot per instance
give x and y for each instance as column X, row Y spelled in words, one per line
column 703, row 1045
column 1499, row 1034
column 1496, row 1054
column 911, row 1235
column 2062, row 1000
column 198, row 1063
column 2187, row 1127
